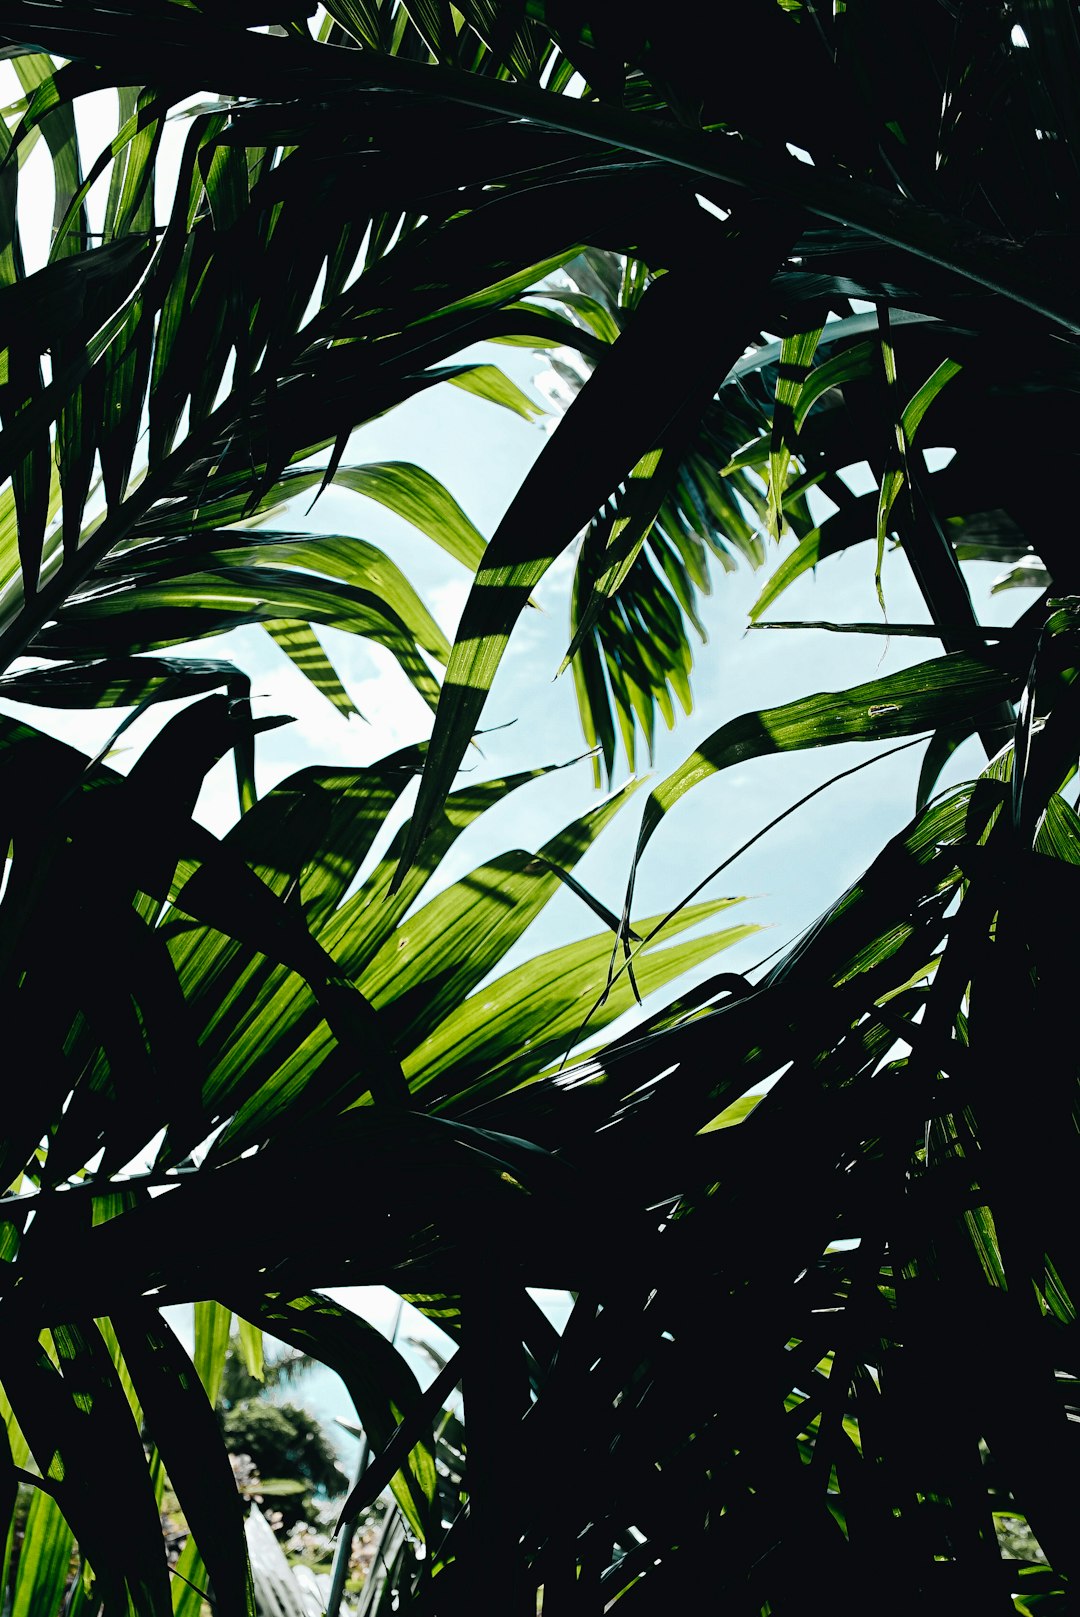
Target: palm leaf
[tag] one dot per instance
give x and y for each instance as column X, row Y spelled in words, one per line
column 886, row 1236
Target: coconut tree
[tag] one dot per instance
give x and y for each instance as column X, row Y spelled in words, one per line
column 819, row 1236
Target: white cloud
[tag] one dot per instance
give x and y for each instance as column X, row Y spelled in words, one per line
column 446, row 602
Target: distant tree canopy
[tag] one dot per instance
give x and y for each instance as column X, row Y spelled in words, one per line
column 284, row 1441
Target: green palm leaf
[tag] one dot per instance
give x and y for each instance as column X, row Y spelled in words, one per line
column 885, row 1239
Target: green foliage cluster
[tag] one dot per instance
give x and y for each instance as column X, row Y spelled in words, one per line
column 286, row 1443
column 282, row 1453
column 818, row 1225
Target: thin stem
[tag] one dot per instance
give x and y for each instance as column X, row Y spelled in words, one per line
column 346, row 1528
column 688, row 898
